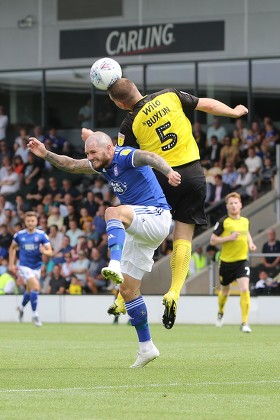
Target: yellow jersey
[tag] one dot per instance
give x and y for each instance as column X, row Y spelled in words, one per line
column 159, row 123
column 233, row 250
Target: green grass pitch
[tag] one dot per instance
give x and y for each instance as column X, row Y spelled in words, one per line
column 78, row 371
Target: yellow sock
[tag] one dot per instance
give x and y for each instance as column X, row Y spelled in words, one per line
column 222, row 299
column 245, row 303
column 180, row 263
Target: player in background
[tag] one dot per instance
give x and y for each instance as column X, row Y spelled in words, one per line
column 160, row 123
column 31, row 243
column 135, row 228
column 232, row 232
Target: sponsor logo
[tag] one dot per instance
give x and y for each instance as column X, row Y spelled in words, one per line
column 118, row 187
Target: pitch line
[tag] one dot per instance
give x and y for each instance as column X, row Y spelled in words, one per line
column 95, row 388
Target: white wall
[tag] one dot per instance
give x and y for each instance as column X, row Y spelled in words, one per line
column 252, row 29
column 93, row 309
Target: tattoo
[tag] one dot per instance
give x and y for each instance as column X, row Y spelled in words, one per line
column 142, row 158
column 67, row 164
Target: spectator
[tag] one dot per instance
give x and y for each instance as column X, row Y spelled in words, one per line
column 32, row 170
column 4, row 151
column 230, row 175
column 10, row 183
column 212, row 153
column 53, row 187
column 265, row 284
column 58, row 143
column 55, row 218
column 5, row 237
column 59, row 255
column 3, row 123
column 67, row 267
column 253, row 162
column 268, row 174
column 7, row 284
column 67, row 187
column 107, row 116
column 242, row 130
column 218, row 191
column 74, row 232
column 94, row 278
column 38, row 133
column 245, row 182
column 21, row 139
column 272, row 246
column 57, row 284
column 216, row 129
column 23, row 151
column 56, row 238
column 80, row 268
column 72, row 214
column 213, row 253
column 99, row 220
column 84, row 115
column 90, row 204
column 90, row 232
column 21, row 204
column 44, row 278
column 75, row 287
column 37, row 193
column 4, row 261
column 84, row 217
column 5, row 164
column 200, row 138
column 198, row 261
column 4, row 204
column 18, row 165
column 229, row 153
column 81, row 246
column 101, row 186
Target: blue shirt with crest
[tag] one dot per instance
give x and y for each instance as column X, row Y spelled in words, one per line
column 29, row 243
column 133, row 185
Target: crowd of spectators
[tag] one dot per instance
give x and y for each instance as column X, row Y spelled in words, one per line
column 72, row 211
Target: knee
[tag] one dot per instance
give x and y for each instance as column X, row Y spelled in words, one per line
column 111, row 213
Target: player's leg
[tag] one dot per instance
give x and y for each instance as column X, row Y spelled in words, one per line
column 137, row 311
column 179, row 263
column 34, row 287
column 245, row 303
column 24, row 302
column 222, row 299
column 117, row 220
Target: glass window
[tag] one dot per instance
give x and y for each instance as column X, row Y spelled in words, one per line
column 225, row 81
column 180, row 76
column 21, row 94
column 67, row 92
column 266, row 88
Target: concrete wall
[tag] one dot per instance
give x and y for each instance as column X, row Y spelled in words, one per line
column 93, row 309
column 251, row 29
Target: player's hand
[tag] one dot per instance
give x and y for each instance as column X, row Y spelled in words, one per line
column 12, row 269
column 234, row 235
column 241, row 110
column 252, row 247
column 42, row 248
column 37, row 147
column 86, row 132
column 174, row 178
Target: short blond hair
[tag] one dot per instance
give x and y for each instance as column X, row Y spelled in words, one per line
column 233, row 195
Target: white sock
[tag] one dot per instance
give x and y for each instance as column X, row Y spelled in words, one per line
column 35, row 313
column 145, row 346
column 115, row 265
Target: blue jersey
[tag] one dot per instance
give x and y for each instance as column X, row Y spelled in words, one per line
column 134, row 185
column 29, row 243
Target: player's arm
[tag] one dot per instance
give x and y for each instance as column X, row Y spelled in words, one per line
column 142, row 158
column 251, row 244
column 214, row 107
column 12, row 257
column 65, row 163
column 219, row 240
column 46, row 249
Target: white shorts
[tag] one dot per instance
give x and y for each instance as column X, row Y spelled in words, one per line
column 150, row 226
column 27, row 273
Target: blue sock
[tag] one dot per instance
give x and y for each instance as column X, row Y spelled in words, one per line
column 34, row 299
column 25, row 299
column 137, row 311
column 116, row 237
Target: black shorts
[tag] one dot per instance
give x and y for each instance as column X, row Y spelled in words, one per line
column 188, row 199
column 229, row 272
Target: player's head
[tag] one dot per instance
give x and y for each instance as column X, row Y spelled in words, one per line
column 30, row 220
column 99, row 150
column 124, row 93
column 233, row 203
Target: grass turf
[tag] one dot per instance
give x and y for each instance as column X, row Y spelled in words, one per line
column 79, row 371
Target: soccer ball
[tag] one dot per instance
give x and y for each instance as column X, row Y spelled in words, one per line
column 104, row 72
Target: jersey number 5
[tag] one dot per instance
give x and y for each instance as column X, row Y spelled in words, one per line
column 163, row 137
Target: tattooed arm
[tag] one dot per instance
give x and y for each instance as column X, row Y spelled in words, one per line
column 142, row 158
column 65, row 163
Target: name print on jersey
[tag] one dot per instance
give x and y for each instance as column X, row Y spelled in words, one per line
column 155, row 117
